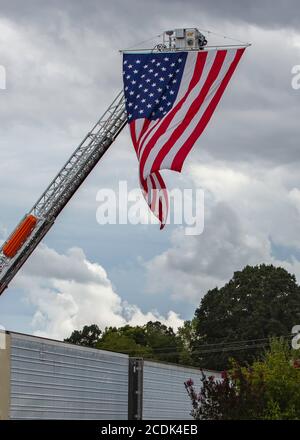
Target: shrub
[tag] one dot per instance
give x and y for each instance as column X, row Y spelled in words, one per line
column 269, row 389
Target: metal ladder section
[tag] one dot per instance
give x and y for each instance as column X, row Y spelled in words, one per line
column 65, row 184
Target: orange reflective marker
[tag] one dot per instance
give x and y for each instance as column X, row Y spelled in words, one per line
column 14, row 243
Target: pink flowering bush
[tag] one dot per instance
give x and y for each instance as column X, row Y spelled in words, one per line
column 224, row 399
column 269, row 389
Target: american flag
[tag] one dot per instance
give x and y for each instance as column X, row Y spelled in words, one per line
column 170, row 98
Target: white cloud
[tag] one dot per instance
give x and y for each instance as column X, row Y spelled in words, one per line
column 3, row 233
column 134, row 316
column 68, row 292
column 294, row 196
column 192, row 265
column 247, row 210
column 262, row 197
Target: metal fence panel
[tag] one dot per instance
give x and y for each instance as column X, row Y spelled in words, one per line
column 54, row 380
column 164, row 393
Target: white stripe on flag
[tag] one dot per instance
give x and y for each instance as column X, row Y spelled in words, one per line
column 186, row 79
column 160, row 195
column 180, row 115
column 167, row 162
column 139, row 123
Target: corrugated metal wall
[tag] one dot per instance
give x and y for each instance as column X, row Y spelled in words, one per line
column 53, row 380
column 164, row 393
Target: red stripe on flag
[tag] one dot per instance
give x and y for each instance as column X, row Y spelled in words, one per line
column 201, row 58
column 193, row 110
column 185, row 149
column 163, row 193
column 147, row 135
column 144, row 128
column 153, row 195
column 198, row 69
column 133, row 135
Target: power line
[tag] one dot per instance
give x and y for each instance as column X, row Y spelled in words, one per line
column 219, row 351
column 225, row 347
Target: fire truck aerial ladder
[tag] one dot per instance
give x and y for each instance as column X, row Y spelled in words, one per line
column 35, row 225
column 37, row 222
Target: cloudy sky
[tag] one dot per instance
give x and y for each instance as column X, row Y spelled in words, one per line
column 63, row 69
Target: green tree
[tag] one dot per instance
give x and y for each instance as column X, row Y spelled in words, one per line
column 153, row 340
column 127, row 339
column 281, row 380
column 257, row 303
column 163, row 342
column 186, row 337
column 88, row 336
